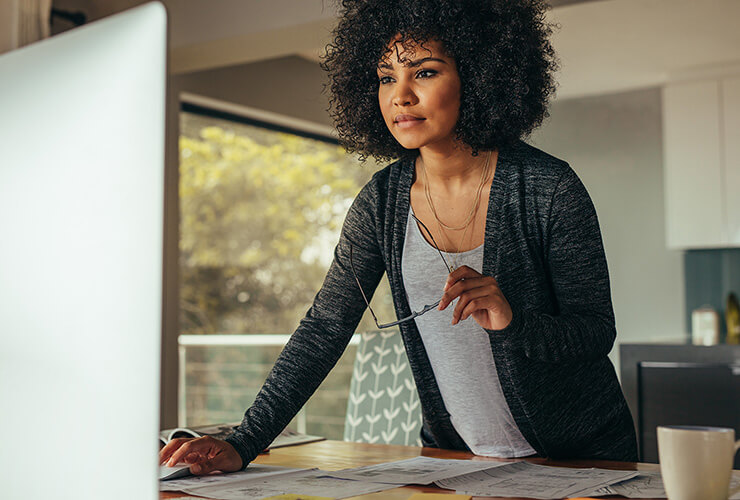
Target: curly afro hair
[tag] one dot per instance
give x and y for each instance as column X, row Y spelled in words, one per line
column 503, row 56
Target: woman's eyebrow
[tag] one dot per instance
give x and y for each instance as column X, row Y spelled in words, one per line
column 413, row 64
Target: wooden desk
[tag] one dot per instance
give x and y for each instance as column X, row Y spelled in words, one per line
column 335, row 455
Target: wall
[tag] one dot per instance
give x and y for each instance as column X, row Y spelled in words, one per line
column 614, row 143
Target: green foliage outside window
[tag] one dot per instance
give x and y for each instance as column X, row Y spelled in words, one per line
column 260, row 216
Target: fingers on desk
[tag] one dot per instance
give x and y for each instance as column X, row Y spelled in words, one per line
column 204, row 455
column 172, row 448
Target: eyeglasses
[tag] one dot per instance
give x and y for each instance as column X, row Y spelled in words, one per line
column 413, row 315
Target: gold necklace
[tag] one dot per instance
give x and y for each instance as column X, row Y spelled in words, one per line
column 454, row 256
column 476, row 201
column 473, row 211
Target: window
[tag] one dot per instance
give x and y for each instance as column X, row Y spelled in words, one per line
column 261, row 207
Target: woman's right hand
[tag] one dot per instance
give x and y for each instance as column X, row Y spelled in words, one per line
column 204, row 455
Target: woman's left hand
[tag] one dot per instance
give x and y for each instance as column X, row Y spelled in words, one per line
column 480, row 297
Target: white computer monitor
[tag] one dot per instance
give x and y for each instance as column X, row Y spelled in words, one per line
column 81, row 234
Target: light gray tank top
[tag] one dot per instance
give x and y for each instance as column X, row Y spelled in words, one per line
column 460, row 355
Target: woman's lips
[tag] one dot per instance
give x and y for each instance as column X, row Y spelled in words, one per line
column 405, row 121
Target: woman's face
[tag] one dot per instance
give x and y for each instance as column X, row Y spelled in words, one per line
column 419, row 94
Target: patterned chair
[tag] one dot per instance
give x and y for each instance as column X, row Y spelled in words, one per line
column 383, row 405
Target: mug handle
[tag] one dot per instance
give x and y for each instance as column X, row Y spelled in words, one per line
column 735, row 490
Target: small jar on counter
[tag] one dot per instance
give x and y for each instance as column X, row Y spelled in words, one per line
column 704, row 326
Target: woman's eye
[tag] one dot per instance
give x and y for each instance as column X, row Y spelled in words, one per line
column 384, row 79
column 425, row 73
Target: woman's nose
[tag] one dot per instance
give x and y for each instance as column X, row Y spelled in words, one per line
column 404, row 95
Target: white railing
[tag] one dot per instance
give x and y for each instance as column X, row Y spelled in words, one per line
column 256, row 340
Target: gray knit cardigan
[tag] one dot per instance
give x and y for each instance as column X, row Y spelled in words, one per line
column 543, row 245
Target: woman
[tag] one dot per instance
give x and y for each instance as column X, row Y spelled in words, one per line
column 513, row 360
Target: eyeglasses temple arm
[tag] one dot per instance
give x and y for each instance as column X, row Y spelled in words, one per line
column 409, row 318
column 367, row 302
column 435, row 243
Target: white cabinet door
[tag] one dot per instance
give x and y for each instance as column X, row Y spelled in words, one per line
column 693, row 165
column 731, row 140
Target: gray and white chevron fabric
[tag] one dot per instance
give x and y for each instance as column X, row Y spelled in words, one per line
column 383, row 405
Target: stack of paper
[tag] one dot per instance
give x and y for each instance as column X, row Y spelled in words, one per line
column 417, row 470
column 260, row 481
column 253, row 472
column 468, row 477
column 523, row 479
column 650, row 485
column 312, row 482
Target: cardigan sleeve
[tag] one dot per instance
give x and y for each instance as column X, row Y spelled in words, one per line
column 322, row 335
column 583, row 327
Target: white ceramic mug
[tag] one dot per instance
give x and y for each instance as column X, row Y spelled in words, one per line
column 696, row 462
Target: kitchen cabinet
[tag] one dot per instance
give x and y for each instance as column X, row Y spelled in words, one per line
column 701, row 148
column 731, row 119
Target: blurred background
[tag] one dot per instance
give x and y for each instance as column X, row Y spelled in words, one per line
column 257, row 186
